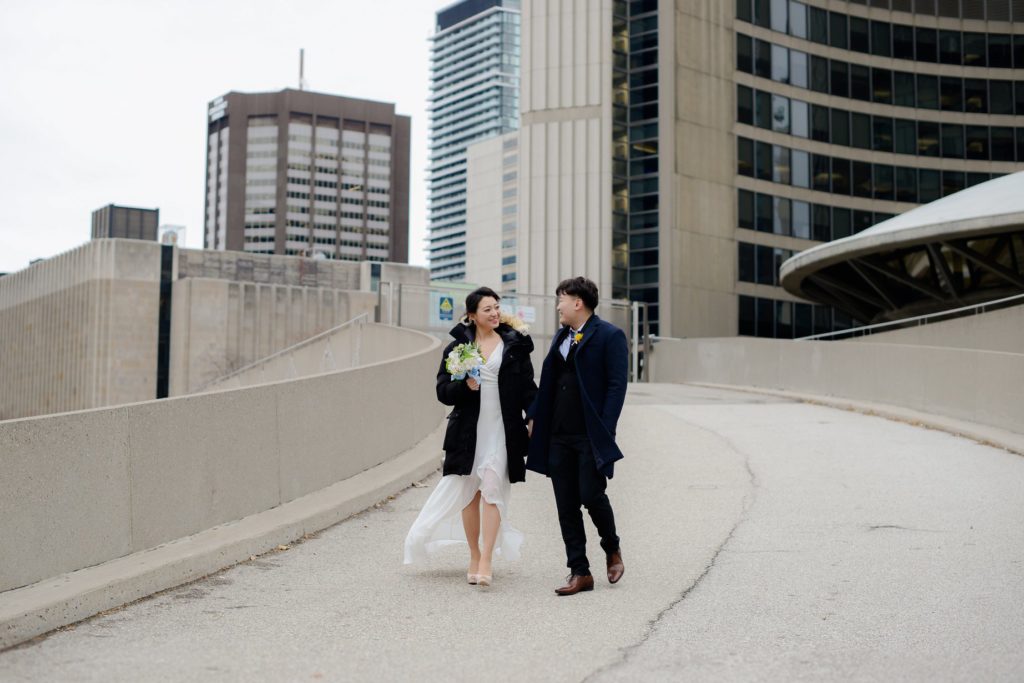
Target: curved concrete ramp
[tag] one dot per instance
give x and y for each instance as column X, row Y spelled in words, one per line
column 764, row 539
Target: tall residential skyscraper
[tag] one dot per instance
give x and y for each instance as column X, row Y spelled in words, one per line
column 678, row 151
column 474, row 96
column 307, row 174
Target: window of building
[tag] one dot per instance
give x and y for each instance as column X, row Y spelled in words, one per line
column 905, row 137
column 952, row 181
column 883, row 182
column 902, row 42
column 743, row 10
column 859, row 41
column 903, row 89
column 1000, row 51
column 837, row 30
column 821, row 173
column 780, row 64
column 952, row 141
column 882, row 134
column 861, row 172
column 906, row 185
column 801, row 215
column 860, row 82
column 764, row 268
column 780, row 114
column 949, row 47
column 763, row 161
column 974, row 50
column 798, row 74
column 821, row 223
column 745, row 156
column 881, row 39
column 763, row 109
column 744, row 104
column 840, row 175
column 818, row 25
column 745, row 210
column 1002, row 143
column 951, row 97
column 819, row 123
column 762, row 59
column 928, row 138
column 927, row 91
column 763, row 213
column 839, row 73
column 841, row 223
column 840, row 127
column 928, row 185
column 975, row 95
column 819, row 74
column 747, row 268
column 927, row 44
column 744, row 54
column 762, row 13
column 800, row 119
column 881, row 86
column 802, row 168
column 1000, row 97
column 860, row 128
column 797, row 19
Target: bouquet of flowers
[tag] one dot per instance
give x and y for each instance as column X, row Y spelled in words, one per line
column 465, row 359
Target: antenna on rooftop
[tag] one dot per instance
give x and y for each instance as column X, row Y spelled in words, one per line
column 302, row 69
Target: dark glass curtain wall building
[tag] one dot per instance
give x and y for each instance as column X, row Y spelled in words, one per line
column 678, row 151
column 846, row 118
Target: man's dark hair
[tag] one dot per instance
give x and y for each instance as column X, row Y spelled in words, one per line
column 581, row 287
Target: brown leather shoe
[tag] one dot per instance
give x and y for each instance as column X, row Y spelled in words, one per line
column 615, row 566
column 576, row 584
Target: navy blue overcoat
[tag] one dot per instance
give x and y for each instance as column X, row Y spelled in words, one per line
column 602, row 366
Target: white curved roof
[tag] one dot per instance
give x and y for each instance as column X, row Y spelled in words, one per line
column 988, row 207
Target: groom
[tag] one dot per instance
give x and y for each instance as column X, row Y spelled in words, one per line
column 572, row 426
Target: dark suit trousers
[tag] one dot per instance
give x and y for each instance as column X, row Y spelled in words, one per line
column 577, row 482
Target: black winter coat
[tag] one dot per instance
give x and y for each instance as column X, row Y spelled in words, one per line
column 516, row 391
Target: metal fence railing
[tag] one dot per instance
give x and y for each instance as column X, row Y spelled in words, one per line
column 435, row 309
column 918, row 320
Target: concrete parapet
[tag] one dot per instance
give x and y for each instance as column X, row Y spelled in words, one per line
column 965, row 384
column 83, row 488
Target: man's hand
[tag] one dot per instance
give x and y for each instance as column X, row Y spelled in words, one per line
column 529, row 429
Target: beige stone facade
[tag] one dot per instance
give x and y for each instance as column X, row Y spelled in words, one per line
column 82, row 329
column 79, row 330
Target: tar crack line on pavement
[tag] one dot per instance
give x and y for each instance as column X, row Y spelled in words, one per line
column 748, row 503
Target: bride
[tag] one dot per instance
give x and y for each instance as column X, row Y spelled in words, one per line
column 485, row 442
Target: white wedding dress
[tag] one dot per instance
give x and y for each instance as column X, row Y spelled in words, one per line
column 439, row 523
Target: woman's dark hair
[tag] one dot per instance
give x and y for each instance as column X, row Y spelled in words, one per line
column 474, row 298
column 581, row 287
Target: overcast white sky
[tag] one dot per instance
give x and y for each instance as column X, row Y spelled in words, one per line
column 104, row 101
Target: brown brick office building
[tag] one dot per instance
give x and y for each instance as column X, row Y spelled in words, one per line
column 306, row 174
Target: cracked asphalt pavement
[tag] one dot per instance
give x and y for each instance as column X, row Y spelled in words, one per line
column 763, row 540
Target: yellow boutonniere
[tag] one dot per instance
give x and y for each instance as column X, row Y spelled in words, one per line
column 578, row 337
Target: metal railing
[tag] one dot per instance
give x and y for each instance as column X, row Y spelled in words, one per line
column 918, row 320
column 435, row 309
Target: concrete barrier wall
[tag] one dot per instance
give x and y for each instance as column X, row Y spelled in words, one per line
column 1000, row 330
column 986, row 387
column 355, row 343
column 82, row 488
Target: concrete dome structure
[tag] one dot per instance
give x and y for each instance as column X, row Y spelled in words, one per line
column 963, row 249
